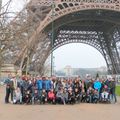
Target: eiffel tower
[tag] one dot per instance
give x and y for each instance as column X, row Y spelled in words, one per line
column 53, row 23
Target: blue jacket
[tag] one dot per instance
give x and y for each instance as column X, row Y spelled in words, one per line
column 97, row 85
column 47, row 85
column 39, row 84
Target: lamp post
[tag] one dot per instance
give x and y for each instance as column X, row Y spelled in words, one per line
column 52, row 40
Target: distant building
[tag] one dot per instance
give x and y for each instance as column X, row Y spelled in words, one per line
column 68, row 70
column 102, row 69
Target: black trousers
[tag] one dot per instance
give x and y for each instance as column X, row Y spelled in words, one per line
column 9, row 92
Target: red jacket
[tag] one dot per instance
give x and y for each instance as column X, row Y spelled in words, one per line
column 51, row 95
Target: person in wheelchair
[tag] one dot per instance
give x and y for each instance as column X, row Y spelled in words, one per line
column 105, row 94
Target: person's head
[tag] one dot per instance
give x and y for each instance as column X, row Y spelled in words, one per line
column 105, row 86
column 97, row 79
column 113, row 79
column 61, row 90
column 43, row 91
column 46, row 78
column 50, row 78
column 109, row 79
column 90, row 88
column 70, row 89
column 26, row 78
column 78, row 79
column 76, row 89
column 40, row 78
column 51, row 90
column 13, row 78
column 36, row 91
column 18, row 89
column 9, row 75
column 83, row 90
column 28, row 92
column 43, row 78
column 37, row 78
column 65, row 90
column 95, row 91
column 75, row 80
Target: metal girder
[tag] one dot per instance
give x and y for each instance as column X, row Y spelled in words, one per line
column 83, row 21
column 86, row 37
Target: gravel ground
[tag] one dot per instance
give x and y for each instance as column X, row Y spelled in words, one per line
column 81, row 111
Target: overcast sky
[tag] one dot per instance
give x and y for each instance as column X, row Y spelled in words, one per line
column 16, row 5
column 76, row 54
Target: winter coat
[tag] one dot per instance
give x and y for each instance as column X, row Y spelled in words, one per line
column 97, row 85
column 39, row 84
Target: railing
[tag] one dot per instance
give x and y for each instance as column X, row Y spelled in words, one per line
column 50, row 2
column 93, row 1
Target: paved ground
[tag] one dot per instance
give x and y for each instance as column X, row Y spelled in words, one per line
column 58, row 112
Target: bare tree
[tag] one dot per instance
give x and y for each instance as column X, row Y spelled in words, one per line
column 16, row 30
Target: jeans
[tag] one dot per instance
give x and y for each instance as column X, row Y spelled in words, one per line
column 113, row 96
column 40, row 94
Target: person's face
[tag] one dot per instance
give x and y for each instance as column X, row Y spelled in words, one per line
column 83, row 90
column 35, row 91
column 28, row 92
column 51, row 90
column 97, row 79
column 18, row 89
column 61, row 90
column 76, row 90
column 90, row 88
column 9, row 76
column 70, row 91
column 43, row 91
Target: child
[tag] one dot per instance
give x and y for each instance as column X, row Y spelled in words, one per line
column 60, row 97
column 83, row 96
column 90, row 92
column 77, row 95
column 95, row 96
column 28, row 97
column 51, row 96
column 35, row 96
column 71, row 96
column 44, row 96
column 17, row 98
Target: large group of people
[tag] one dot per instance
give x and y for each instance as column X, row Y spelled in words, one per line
column 53, row 90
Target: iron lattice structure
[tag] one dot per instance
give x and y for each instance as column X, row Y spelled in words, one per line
column 92, row 22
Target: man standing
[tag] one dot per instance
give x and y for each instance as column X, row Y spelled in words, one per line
column 112, row 89
column 9, row 91
column 39, row 84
